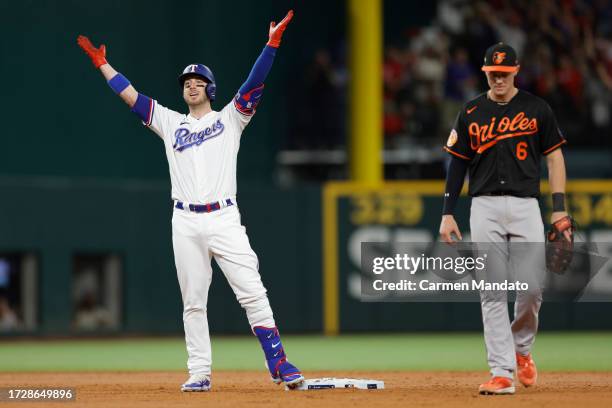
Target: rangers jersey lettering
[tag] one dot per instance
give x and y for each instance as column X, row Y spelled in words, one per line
column 202, row 153
column 184, row 139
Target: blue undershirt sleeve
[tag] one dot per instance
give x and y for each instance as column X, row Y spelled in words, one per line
column 144, row 108
column 250, row 92
column 454, row 182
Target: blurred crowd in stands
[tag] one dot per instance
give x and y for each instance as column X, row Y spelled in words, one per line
column 564, row 48
column 320, row 121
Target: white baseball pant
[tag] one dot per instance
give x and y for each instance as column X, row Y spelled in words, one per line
column 196, row 238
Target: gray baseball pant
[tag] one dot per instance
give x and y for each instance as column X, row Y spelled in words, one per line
column 498, row 222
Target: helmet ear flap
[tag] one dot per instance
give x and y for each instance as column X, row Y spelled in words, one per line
column 211, row 91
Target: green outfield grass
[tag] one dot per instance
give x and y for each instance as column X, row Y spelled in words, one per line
column 442, row 351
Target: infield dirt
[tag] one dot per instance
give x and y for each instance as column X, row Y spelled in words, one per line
column 253, row 389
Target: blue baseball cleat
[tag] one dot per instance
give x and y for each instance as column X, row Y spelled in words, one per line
column 196, row 383
column 281, row 370
column 287, row 373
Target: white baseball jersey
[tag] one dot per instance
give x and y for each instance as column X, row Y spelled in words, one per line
column 202, row 153
column 202, row 156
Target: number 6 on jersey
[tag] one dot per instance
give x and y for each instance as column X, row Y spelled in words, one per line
column 521, row 150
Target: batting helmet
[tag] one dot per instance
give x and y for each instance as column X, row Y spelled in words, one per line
column 204, row 72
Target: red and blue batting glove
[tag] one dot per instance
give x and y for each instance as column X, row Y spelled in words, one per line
column 97, row 55
column 276, row 30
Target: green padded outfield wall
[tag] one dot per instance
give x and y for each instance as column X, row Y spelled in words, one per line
column 410, row 212
column 57, row 218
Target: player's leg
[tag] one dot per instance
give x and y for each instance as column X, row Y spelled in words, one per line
column 487, row 216
column 524, row 329
column 525, row 322
column 529, row 262
column 232, row 250
column 496, row 323
column 194, row 272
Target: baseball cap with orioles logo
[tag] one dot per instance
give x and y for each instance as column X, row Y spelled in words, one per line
column 501, row 58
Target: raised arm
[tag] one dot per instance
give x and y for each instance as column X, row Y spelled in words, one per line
column 250, row 92
column 116, row 81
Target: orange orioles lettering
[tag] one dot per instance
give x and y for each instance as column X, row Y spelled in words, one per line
column 483, row 137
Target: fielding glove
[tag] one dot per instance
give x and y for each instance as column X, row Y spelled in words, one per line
column 560, row 251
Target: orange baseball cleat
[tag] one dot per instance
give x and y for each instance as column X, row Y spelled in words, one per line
column 497, row 386
column 526, row 370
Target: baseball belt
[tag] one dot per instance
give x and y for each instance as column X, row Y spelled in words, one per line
column 203, row 208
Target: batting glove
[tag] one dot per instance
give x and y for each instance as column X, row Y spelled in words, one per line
column 97, row 55
column 276, row 30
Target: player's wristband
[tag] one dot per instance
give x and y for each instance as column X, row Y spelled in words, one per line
column 558, row 202
column 118, row 83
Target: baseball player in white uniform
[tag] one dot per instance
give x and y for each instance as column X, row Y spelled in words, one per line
column 202, row 149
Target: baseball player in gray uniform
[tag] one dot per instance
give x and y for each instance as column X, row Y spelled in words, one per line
column 202, row 149
column 500, row 137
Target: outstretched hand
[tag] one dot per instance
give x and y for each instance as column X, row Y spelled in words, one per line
column 276, row 30
column 97, row 55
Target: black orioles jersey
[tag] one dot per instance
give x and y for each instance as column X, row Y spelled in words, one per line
column 504, row 143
